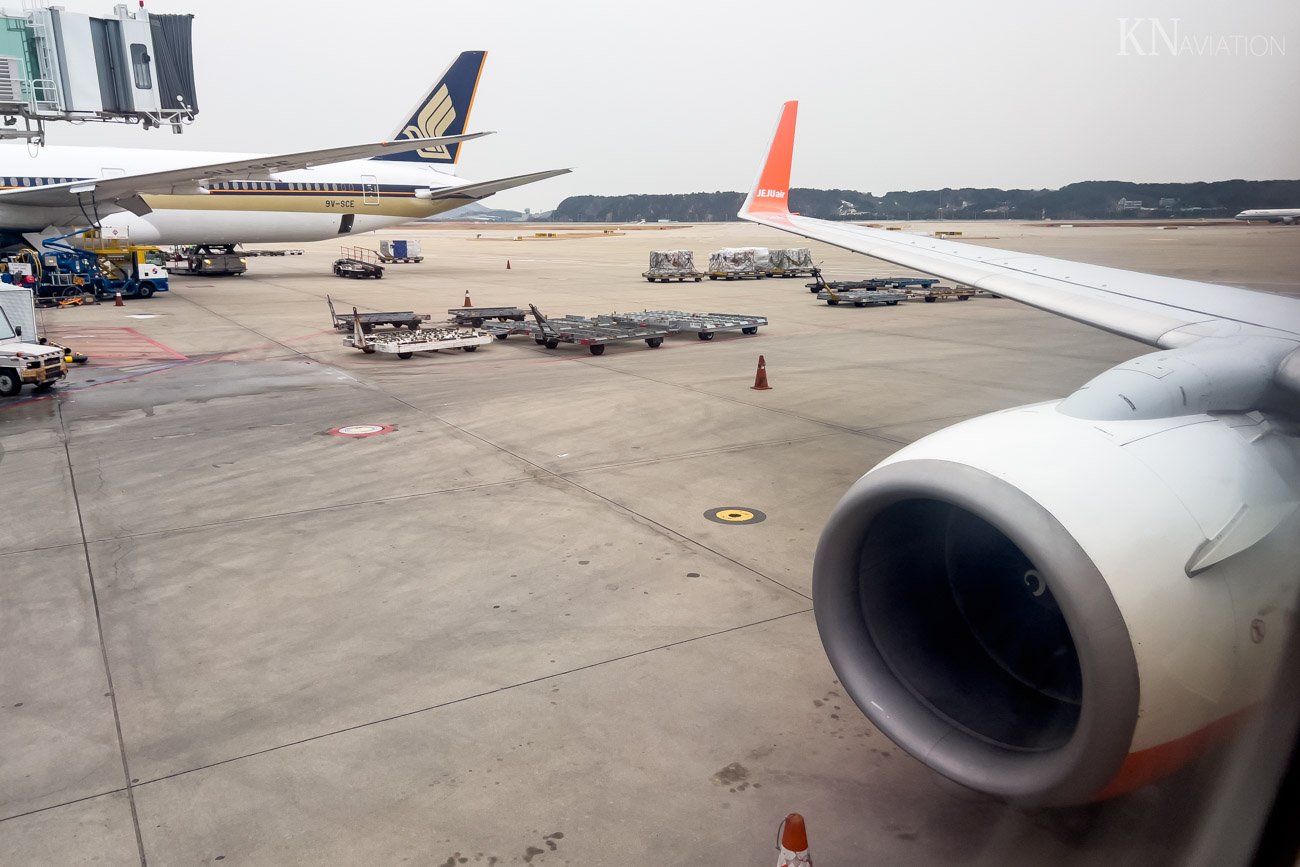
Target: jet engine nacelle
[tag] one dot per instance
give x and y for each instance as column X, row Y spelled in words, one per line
column 1054, row 609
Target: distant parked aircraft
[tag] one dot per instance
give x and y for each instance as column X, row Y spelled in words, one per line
column 1290, row 216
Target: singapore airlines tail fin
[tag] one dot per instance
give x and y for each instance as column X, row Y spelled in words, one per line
column 444, row 109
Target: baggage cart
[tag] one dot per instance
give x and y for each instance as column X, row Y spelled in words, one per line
column 395, row 318
column 404, row 344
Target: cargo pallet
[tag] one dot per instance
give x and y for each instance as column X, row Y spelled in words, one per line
column 404, row 344
column 944, row 293
column 679, row 276
column 254, row 253
column 792, row 272
column 395, row 318
column 703, row 325
column 594, row 333
column 736, row 275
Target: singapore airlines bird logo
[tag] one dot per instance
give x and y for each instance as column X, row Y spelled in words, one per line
column 433, row 120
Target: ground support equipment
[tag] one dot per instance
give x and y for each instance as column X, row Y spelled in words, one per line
column 475, row 317
column 358, row 263
column 940, row 293
column 820, row 284
column 666, row 276
column 703, row 325
column 369, row 321
column 861, row 297
column 595, row 333
column 405, row 343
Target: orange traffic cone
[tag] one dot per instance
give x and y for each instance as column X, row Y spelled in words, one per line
column 468, row 303
column 507, row 264
column 793, row 849
column 760, row 381
column 117, row 299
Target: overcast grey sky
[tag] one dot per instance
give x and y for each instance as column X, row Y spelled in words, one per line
column 669, row 96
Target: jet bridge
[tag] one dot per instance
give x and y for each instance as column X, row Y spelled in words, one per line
column 56, row 65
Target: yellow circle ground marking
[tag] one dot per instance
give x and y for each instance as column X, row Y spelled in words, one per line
column 735, row 515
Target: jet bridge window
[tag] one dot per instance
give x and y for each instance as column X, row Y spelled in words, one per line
column 140, row 66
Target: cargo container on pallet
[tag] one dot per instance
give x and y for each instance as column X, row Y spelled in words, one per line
column 790, row 262
column 735, row 263
column 668, row 265
column 400, row 251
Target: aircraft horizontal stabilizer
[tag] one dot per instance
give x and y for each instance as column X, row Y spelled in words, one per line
column 483, row 189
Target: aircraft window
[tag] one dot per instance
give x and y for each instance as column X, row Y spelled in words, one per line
column 140, row 66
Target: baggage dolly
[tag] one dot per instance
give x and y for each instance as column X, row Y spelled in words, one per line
column 404, row 343
column 594, row 333
column 861, row 297
column 476, row 316
column 820, row 284
column 703, row 325
column 395, row 318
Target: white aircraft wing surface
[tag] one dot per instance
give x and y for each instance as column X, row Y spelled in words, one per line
column 123, row 192
column 1159, row 311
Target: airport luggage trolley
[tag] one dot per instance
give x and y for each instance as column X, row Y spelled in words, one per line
column 405, row 343
column 861, row 297
column 703, row 325
column 475, row 317
column 940, row 293
column 595, row 333
column 679, row 276
column 395, row 318
column 820, row 284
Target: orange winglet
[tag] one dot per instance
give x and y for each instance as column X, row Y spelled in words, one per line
column 770, row 195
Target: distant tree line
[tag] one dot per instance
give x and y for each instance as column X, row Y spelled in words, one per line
column 1087, row 200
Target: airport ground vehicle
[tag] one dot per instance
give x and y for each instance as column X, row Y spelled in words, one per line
column 400, row 252
column 358, row 263
column 820, row 283
column 23, row 363
column 668, row 265
column 940, row 293
column 861, row 297
column 476, row 316
column 395, row 318
column 790, row 262
column 404, row 344
column 208, row 259
column 135, row 271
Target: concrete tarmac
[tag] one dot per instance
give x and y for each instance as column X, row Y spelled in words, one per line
column 503, row 631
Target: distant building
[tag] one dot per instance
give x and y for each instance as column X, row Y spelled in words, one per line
column 1129, row 204
column 1169, row 203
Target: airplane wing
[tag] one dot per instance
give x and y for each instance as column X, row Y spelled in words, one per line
column 1159, row 311
column 108, row 195
column 483, row 189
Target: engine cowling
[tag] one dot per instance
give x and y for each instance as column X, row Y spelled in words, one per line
column 1054, row 609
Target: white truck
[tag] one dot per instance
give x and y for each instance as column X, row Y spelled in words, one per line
column 22, row 362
